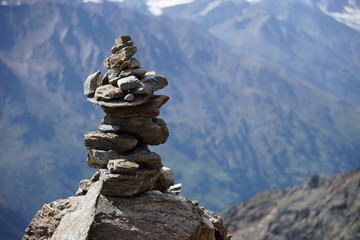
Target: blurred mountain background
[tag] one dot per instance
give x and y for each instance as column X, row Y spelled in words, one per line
column 263, row 93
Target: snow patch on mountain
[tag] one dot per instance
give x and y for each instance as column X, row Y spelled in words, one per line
column 349, row 15
column 210, row 6
column 156, row 6
column 253, row 1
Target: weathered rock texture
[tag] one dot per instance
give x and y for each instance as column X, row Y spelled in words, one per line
column 322, row 207
column 150, row 216
column 132, row 195
column 120, row 146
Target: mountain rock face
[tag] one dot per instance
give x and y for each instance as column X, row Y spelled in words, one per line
column 322, row 207
column 131, row 196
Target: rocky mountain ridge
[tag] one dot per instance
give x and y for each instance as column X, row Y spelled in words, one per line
column 322, row 207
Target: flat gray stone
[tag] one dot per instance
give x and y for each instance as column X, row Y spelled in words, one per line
column 99, row 158
column 148, row 109
column 122, row 39
column 150, row 84
column 128, row 83
column 113, row 72
column 76, row 225
column 108, row 92
column 85, row 184
column 91, row 83
column 129, row 97
column 124, row 65
column 119, row 57
column 140, row 155
column 109, row 141
column 121, row 45
column 165, row 179
column 122, row 166
column 138, row 72
column 125, row 185
column 152, row 131
column 134, row 63
column 109, row 128
column 119, row 103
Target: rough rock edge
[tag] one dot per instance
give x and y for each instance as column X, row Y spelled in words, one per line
column 47, row 220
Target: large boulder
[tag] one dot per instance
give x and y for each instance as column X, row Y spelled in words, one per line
column 151, row 216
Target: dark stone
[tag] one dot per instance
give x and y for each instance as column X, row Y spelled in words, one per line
column 125, row 185
column 121, row 45
column 120, row 57
column 140, row 155
column 108, row 92
column 151, row 84
column 122, row 166
column 91, row 83
column 152, row 131
column 138, row 72
column 122, row 39
column 128, row 83
column 109, row 141
column 118, row 103
column 148, row 109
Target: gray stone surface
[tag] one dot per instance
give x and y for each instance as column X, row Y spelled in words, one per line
column 148, row 109
column 108, row 92
column 150, row 216
column 85, row 184
column 117, row 103
column 138, row 72
column 134, row 63
column 99, row 158
column 140, row 155
column 121, row 45
column 164, row 180
column 113, row 72
column 119, row 57
column 48, row 218
column 76, row 225
column 151, row 84
column 129, row 97
column 122, row 166
column 127, row 83
column 152, row 131
column 109, row 128
column 91, row 83
column 125, row 185
column 122, row 39
column 109, row 141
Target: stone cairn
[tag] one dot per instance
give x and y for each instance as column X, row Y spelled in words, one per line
column 109, row 208
column 120, row 146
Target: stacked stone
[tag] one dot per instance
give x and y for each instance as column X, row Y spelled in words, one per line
column 120, row 146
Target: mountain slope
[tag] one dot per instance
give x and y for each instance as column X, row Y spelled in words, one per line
column 237, row 125
column 322, row 207
column 295, row 36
